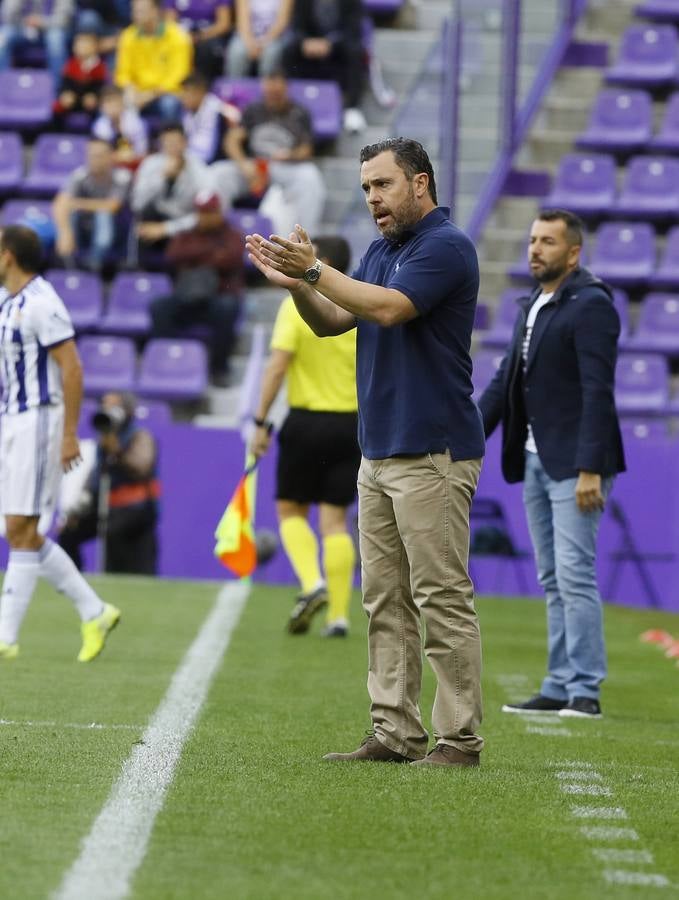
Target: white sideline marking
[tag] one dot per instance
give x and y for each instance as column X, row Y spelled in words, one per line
column 89, row 726
column 612, row 854
column 545, row 719
column 604, row 833
column 599, row 812
column 587, row 790
column 115, row 847
column 543, row 729
column 575, row 775
column 639, row 879
column 570, row 763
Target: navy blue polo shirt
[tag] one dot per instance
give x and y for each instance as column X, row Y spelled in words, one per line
column 414, row 379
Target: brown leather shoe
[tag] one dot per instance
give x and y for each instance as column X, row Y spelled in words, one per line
column 445, row 755
column 371, row 750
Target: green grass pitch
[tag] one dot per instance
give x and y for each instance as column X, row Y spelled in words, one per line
column 254, row 813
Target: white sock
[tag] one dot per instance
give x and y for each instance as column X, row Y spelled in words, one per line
column 23, row 569
column 57, row 567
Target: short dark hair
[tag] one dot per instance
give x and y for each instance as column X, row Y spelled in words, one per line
column 197, row 80
column 111, row 90
column 24, row 245
column 410, row 156
column 575, row 227
column 335, row 249
column 170, row 126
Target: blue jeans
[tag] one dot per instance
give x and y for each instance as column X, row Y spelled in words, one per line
column 564, row 540
column 55, row 41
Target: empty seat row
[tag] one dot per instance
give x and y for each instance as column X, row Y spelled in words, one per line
column 621, row 121
column 171, row 370
column 586, row 183
column 55, row 157
column 648, row 57
column 659, row 10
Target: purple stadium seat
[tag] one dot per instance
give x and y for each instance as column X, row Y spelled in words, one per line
column 55, row 156
column 83, row 294
column 505, row 316
column 666, row 275
column 129, row 300
column 621, row 304
column 194, row 10
column 667, row 138
column 108, row 364
column 644, row 429
column 648, row 57
column 651, row 189
column 657, row 330
column 173, row 370
column 15, row 211
column 642, row 384
column 26, row 98
column 249, row 221
column 322, row 98
column 585, row 184
column 620, row 122
column 11, row 162
column 485, row 365
column 153, row 412
column 659, row 11
column 382, row 7
column 624, row 253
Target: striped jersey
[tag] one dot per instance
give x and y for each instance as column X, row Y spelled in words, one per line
column 31, row 322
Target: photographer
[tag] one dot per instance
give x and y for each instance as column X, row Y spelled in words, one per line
column 120, row 500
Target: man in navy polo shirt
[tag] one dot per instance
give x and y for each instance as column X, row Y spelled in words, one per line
column 412, row 301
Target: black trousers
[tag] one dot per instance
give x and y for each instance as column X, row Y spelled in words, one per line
column 131, row 542
column 346, row 64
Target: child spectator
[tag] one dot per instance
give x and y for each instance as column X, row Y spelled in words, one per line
column 122, row 127
column 82, row 79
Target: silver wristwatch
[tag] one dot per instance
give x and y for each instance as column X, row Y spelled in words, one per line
column 313, row 273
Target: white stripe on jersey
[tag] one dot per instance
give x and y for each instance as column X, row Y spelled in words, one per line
column 31, row 322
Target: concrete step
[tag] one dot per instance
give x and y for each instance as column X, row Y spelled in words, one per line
column 545, row 149
column 502, row 245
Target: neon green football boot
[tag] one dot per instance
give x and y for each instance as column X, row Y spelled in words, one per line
column 96, row 631
column 8, row 651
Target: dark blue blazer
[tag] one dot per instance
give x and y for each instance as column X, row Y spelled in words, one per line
column 567, row 390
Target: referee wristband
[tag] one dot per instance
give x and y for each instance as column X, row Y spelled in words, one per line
column 263, row 423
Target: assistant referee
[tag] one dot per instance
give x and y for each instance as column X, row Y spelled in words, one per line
column 318, row 456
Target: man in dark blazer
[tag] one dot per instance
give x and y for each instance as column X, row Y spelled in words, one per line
column 554, row 394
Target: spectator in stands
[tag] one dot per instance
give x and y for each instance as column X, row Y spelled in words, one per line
column 318, row 456
column 106, row 18
column 36, row 22
column 127, row 455
column 83, row 77
column 88, row 211
column 122, row 127
column 209, row 32
column 554, row 394
column 258, row 44
column 208, row 265
column 165, row 189
column 275, row 134
column 203, row 118
column 326, row 42
column 154, row 57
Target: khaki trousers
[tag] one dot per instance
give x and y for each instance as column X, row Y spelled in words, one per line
column 414, row 539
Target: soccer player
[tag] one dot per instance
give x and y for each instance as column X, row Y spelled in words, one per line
column 318, row 456
column 42, row 381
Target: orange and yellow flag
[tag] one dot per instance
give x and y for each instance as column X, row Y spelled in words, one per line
column 235, row 533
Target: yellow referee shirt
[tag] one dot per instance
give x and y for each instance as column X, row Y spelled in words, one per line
column 154, row 62
column 322, row 372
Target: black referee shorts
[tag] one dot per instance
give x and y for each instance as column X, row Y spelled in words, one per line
column 318, row 457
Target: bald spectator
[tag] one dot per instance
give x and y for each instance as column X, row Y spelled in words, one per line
column 43, row 22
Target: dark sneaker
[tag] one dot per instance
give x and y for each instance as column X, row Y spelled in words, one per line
column 335, row 630
column 305, row 609
column 371, row 750
column 445, row 755
column 582, row 708
column 536, row 704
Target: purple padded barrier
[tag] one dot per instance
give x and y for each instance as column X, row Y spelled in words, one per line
column 644, row 429
column 173, row 370
column 651, row 189
column 584, row 183
column 659, row 11
column 129, row 299
column 26, row 98
column 642, row 384
column 322, row 98
column 55, row 156
column 648, row 57
column 666, row 275
column 667, row 138
column 505, row 318
column 152, row 413
column 484, row 366
column 108, row 364
column 658, row 326
column 620, row 121
column 624, row 253
column 11, row 162
column 83, row 294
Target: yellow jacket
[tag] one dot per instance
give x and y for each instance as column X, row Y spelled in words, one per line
column 154, row 62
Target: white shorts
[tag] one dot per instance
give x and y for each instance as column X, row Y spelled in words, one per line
column 30, row 462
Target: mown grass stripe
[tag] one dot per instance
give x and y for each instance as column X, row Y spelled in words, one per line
column 116, row 845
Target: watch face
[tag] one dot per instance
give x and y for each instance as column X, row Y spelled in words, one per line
column 312, row 275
